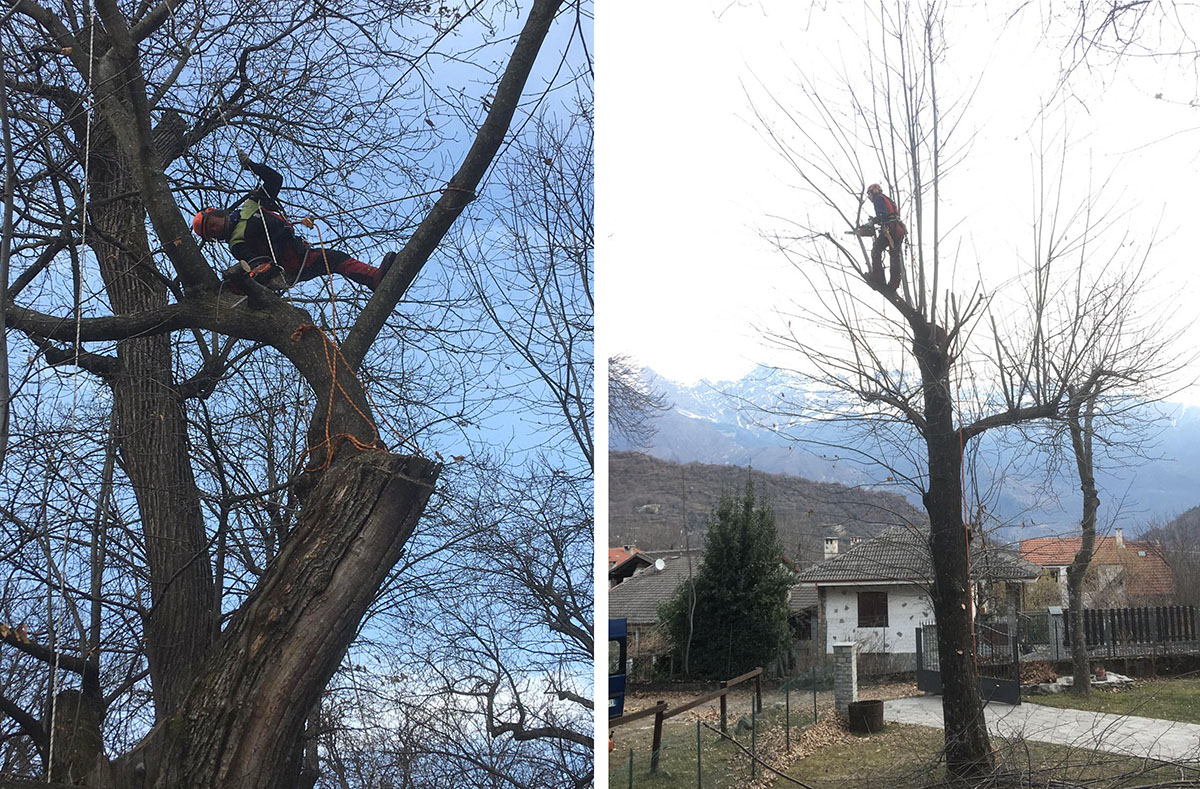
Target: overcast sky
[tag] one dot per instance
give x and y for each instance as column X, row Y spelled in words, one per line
column 686, row 183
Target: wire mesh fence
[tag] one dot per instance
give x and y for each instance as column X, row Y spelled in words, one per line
column 694, row 751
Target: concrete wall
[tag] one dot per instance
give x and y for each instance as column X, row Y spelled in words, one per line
column 908, row 607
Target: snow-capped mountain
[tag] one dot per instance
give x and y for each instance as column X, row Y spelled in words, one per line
column 754, row 422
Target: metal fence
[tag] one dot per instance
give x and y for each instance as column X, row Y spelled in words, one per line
column 696, row 753
column 1112, row 632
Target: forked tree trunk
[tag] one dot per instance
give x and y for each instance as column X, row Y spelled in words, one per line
column 241, row 725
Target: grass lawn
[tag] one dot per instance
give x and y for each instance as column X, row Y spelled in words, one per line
column 722, row 764
column 1170, row 699
column 902, row 756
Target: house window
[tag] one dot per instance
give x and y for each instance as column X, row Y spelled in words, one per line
column 872, row 609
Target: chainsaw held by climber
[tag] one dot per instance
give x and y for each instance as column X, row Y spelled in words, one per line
column 890, row 236
column 266, row 246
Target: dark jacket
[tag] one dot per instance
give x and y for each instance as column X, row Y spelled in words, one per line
column 260, row 230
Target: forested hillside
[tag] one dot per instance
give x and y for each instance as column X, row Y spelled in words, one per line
column 647, row 496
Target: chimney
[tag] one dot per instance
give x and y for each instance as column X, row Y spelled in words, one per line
column 855, row 541
column 831, row 547
column 1119, row 536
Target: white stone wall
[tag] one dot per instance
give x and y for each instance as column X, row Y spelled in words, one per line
column 908, row 607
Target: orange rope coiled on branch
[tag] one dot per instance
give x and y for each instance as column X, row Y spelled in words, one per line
column 333, row 441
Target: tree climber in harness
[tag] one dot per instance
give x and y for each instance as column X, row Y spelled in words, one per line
column 891, row 234
column 265, row 245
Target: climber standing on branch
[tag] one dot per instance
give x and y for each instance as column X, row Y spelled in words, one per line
column 890, row 236
column 265, row 245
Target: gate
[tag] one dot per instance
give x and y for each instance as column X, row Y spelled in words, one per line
column 997, row 659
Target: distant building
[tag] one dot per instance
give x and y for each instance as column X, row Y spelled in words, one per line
column 1121, row 573
column 624, row 562
column 655, row 578
column 877, row 592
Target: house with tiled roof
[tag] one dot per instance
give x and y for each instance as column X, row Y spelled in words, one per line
column 636, row 599
column 1122, row 572
column 624, row 561
column 877, row 593
column 620, row 554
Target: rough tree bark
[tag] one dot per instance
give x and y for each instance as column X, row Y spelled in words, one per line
column 968, row 746
column 1080, row 424
column 152, row 436
column 274, row 659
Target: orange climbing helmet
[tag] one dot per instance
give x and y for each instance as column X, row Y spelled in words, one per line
column 874, row 189
column 199, row 223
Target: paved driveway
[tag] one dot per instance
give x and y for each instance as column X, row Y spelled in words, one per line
column 1124, row 734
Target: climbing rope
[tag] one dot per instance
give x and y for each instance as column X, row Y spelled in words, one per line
column 331, row 347
column 308, row 222
column 333, row 441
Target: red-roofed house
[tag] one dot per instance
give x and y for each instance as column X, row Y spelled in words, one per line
column 624, row 561
column 1121, row 573
column 620, row 554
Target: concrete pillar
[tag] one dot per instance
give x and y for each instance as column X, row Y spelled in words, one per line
column 1054, row 614
column 845, row 676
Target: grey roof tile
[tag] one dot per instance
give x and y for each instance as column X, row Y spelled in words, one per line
column 801, row 598
column 900, row 553
column 637, row 597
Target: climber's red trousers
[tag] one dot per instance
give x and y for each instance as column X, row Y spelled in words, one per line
column 320, row 262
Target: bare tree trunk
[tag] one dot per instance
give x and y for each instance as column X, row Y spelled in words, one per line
column 152, row 436
column 241, row 725
column 1081, row 442
column 968, row 748
column 78, row 742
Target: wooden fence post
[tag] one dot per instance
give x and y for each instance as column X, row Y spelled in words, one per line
column 724, row 685
column 657, row 743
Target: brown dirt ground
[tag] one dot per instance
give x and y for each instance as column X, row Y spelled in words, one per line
column 739, row 697
column 827, row 731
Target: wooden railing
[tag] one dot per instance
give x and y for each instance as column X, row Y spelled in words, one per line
column 662, row 711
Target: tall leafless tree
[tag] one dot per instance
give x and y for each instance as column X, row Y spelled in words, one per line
column 1109, row 413
column 117, row 117
column 927, row 370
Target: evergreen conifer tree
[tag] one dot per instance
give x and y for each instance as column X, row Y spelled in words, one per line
column 732, row 615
